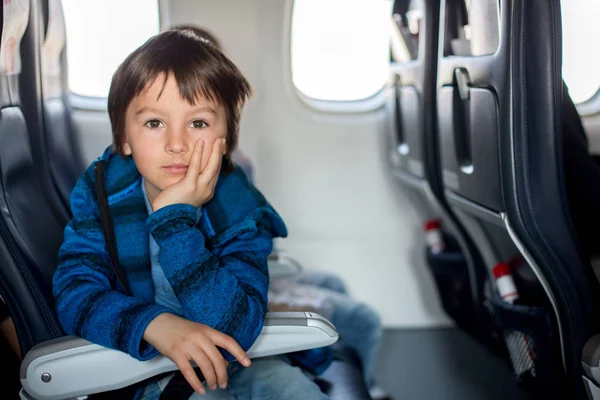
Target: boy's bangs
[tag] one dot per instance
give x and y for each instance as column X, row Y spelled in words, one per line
column 192, row 87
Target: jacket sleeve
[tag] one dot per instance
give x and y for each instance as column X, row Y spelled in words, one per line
column 86, row 301
column 223, row 287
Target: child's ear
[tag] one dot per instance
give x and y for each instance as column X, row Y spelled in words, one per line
column 126, row 149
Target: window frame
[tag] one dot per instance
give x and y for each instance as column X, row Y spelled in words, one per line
column 100, row 103
column 591, row 106
column 88, row 103
column 375, row 101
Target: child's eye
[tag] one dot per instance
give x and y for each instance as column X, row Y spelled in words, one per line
column 198, row 124
column 153, row 124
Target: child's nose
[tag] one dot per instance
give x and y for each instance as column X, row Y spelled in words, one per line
column 176, row 143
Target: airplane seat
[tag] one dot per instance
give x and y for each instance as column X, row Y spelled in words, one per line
column 413, row 161
column 29, row 87
column 56, row 366
column 538, row 209
column 581, row 171
column 60, row 139
column 500, row 122
column 34, row 232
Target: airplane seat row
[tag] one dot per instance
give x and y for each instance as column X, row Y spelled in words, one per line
column 30, row 235
column 413, row 159
column 29, row 88
column 60, row 146
column 39, row 162
column 501, row 149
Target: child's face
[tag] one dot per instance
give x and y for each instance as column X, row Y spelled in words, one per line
column 161, row 132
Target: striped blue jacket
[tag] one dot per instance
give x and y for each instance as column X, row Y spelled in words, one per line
column 217, row 265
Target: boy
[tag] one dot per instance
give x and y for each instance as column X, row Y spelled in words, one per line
column 193, row 235
column 357, row 323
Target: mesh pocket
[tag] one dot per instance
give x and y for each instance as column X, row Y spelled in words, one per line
column 521, row 349
column 529, row 337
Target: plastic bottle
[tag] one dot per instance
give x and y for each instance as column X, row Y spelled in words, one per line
column 433, row 236
column 505, row 283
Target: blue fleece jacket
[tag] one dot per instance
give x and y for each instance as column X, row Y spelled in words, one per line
column 216, row 267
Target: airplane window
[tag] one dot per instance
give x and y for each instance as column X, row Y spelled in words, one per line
column 100, row 34
column 340, row 48
column 581, row 58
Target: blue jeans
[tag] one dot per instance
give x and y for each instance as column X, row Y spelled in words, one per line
column 267, row 378
column 358, row 325
column 320, row 279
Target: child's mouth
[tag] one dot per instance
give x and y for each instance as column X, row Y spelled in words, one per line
column 176, row 168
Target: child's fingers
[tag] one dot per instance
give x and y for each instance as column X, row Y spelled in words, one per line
column 206, row 366
column 213, row 182
column 195, row 164
column 219, row 364
column 188, row 373
column 214, row 162
column 229, row 344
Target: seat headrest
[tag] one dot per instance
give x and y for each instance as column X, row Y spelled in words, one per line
column 16, row 18
column 55, row 40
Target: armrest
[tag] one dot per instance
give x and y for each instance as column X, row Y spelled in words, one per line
column 590, row 362
column 71, row 366
column 282, row 265
column 590, row 359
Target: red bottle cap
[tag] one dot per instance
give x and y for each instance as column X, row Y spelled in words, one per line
column 432, row 224
column 501, row 269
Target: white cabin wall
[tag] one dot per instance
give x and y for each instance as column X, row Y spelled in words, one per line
column 324, row 172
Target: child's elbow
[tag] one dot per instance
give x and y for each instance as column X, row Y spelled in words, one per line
column 253, row 324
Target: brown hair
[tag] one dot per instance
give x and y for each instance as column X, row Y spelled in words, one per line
column 200, row 70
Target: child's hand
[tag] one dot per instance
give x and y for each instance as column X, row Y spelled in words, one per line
column 183, row 341
column 197, row 186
